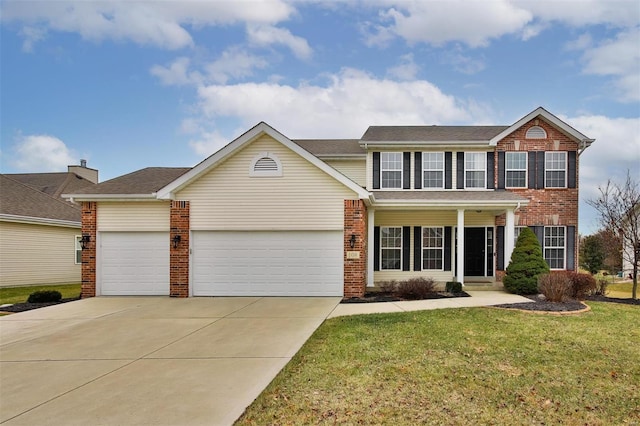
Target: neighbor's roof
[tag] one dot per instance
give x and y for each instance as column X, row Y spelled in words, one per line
column 24, row 201
column 53, row 184
column 431, row 133
column 141, row 182
column 332, row 147
column 474, row 197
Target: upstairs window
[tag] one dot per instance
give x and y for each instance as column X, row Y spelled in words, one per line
column 391, row 248
column 516, row 169
column 536, row 132
column 555, row 169
column 475, row 169
column 265, row 164
column 433, row 169
column 391, row 170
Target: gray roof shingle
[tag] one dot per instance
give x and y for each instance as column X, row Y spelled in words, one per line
column 331, row 147
column 431, row 133
column 144, row 181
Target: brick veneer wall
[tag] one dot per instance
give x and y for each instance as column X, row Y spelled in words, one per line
column 89, row 219
column 355, row 270
column 179, row 256
column 547, row 207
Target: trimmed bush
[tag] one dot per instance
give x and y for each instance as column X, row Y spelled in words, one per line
column 44, row 296
column 416, row 288
column 388, row 286
column 555, row 287
column 582, row 285
column 526, row 265
column 453, row 287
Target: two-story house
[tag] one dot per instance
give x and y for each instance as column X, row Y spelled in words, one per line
column 267, row 215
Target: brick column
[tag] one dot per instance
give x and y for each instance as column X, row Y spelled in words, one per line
column 89, row 217
column 355, row 259
column 179, row 256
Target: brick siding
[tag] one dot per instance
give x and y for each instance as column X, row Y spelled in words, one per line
column 355, row 270
column 89, row 222
column 179, row 256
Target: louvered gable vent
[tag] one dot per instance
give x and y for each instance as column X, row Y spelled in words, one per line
column 536, row 132
column 265, row 164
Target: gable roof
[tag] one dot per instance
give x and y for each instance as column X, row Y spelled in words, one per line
column 142, row 183
column 245, row 139
column 449, row 134
column 53, row 184
column 332, row 147
column 24, row 203
column 552, row 119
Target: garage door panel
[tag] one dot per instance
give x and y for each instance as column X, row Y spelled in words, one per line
column 134, row 263
column 267, row 263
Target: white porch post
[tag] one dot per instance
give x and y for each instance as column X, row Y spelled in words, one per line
column 370, row 245
column 460, row 258
column 509, row 235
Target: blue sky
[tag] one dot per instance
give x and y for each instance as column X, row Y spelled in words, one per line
column 127, row 85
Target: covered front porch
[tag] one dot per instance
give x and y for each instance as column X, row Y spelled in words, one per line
column 443, row 235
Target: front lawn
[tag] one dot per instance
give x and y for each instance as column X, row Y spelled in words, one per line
column 462, row 366
column 21, row 294
column 621, row 290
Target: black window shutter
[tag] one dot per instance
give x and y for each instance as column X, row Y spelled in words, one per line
column 417, row 180
column 376, row 248
column 501, row 170
column 447, row 248
column 406, row 170
column 531, row 165
column 376, row 170
column 417, row 248
column 460, row 170
column 448, row 163
column 406, row 244
column 491, row 170
column 500, row 248
column 572, row 172
column 571, row 248
column 539, row 231
column 540, row 170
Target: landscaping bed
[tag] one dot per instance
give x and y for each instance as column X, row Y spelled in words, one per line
column 21, row 307
column 380, row 296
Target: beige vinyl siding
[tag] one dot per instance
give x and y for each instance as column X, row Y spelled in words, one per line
column 37, row 254
column 303, row 198
column 353, row 169
column 133, row 216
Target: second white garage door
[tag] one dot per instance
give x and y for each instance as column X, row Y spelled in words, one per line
column 288, row 263
column 134, row 263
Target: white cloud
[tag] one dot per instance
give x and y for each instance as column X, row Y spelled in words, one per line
column 266, row 35
column 208, row 143
column 234, row 63
column 406, row 70
column 177, row 73
column 464, row 64
column 577, row 13
column 32, row 35
column 42, row 153
column 158, row 23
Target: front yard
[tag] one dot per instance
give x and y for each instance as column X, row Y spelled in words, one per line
column 21, row 294
column 462, row 366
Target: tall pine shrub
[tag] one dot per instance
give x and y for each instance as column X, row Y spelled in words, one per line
column 526, row 265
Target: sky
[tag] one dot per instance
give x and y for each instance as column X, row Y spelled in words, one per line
column 134, row 84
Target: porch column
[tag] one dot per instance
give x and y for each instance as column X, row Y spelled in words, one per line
column 460, row 258
column 509, row 235
column 370, row 245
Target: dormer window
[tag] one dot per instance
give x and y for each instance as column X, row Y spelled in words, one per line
column 265, row 164
column 536, row 132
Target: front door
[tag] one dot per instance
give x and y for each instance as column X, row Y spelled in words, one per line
column 474, row 252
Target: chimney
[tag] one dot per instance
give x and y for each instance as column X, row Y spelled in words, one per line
column 84, row 172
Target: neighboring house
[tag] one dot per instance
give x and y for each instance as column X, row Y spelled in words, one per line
column 628, row 253
column 271, row 216
column 39, row 230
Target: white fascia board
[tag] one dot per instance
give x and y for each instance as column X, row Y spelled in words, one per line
column 258, row 130
column 343, row 157
column 110, row 197
column 547, row 116
column 422, row 145
column 453, row 204
column 39, row 221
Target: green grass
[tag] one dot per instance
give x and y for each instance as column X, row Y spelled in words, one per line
column 462, row 366
column 621, row 290
column 21, row 294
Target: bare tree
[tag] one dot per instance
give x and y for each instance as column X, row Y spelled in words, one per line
column 619, row 209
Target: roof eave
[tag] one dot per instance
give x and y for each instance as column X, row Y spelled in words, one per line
column 110, row 197
column 422, row 144
column 450, row 204
column 39, row 221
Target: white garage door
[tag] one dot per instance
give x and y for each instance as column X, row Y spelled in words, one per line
column 287, row 263
column 134, row 263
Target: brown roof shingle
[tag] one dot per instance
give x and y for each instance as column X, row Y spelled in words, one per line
column 431, row 133
column 329, row 147
column 53, row 184
column 144, row 181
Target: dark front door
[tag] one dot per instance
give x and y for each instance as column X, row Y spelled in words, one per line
column 474, row 251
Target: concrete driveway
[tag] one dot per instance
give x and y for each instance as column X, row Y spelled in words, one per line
column 148, row 360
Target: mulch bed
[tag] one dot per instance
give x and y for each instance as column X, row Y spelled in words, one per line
column 541, row 305
column 21, row 307
column 379, row 296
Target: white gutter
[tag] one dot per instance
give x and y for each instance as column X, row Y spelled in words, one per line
column 110, row 197
column 39, row 221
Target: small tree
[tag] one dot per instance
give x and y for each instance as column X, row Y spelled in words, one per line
column 619, row 210
column 526, row 265
column 592, row 254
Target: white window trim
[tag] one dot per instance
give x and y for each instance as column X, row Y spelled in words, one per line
column 401, row 170
column 265, row 173
column 536, row 127
column 78, row 247
column 423, row 248
column 391, row 248
column 526, row 169
column 566, row 169
column 564, row 248
column 475, row 170
column 424, row 170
